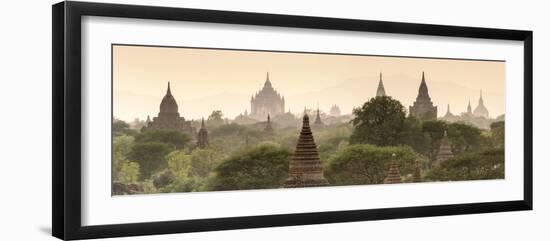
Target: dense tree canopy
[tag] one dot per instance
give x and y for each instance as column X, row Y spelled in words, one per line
column 379, row 121
column 173, row 138
column 151, row 157
column 488, row 164
column 367, row 164
column 263, row 166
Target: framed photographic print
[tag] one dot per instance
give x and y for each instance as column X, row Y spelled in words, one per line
column 170, row 120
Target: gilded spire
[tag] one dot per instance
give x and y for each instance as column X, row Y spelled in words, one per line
column 393, row 175
column 380, row 91
column 305, row 169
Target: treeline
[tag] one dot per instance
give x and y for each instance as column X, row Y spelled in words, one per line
column 245, row 157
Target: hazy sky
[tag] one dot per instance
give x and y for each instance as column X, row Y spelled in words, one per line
column 204, row 80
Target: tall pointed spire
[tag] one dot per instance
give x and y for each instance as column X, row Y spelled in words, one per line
column 168, row 92
column 305, row 169
column 448, row 115
column 202, row 137
column 469, row 108
column 267, row 81
column 481, row 110
column 380, row 91
column 393, row 175
column 318, row 121
column 423, row 107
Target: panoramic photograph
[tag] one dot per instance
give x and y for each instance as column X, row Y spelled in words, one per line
column 201, row 120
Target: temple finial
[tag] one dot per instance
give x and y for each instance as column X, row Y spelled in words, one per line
column 202, row 123
column 168, row 91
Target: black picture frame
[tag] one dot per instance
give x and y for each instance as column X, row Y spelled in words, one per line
column 66, row 127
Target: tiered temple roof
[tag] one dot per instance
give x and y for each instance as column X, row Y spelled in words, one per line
column 423, row 107
column 445, row 151
column 169, row 117
column 305, row 169
column 318, row 121
column 266, row 101
column 393, row 175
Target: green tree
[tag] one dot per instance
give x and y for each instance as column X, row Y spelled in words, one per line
column 379, row 121
column 203, row 161
column 263, row 166
column 174, row 138
column 488, row 164
column 464, row 138
column 215, row 119
column 367, row 164
column 120, row 127
column 150, row 156
column 497, row 134
column 123, row 170
column 433, row 132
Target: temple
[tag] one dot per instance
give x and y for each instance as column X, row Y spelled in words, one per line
column 335, row 111
column 266, row 101
column 169, row 117
column 445, row 151
column 481, row 110
column 393, row 175
column 380, row 91
column 305, row 169
column 318, row 121
column 423, row 107
column 202, row 136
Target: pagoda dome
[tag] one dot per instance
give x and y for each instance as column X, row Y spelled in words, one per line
column 168, row 103
column 481, row 110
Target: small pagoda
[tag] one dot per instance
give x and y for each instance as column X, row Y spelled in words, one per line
column 445, row 152
column 318, row 121
column 202, row 137
column 305, row 169
column 393, row 175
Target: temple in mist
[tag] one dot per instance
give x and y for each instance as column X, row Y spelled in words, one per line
column 479, row 117
column 481, row 110
column 169, row 117
column 423, row 107
column 305, row 169
column 266, row 101
column 202, row 136
column 335, row 111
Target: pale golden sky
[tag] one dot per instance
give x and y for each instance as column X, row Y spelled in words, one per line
column 204, row 80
